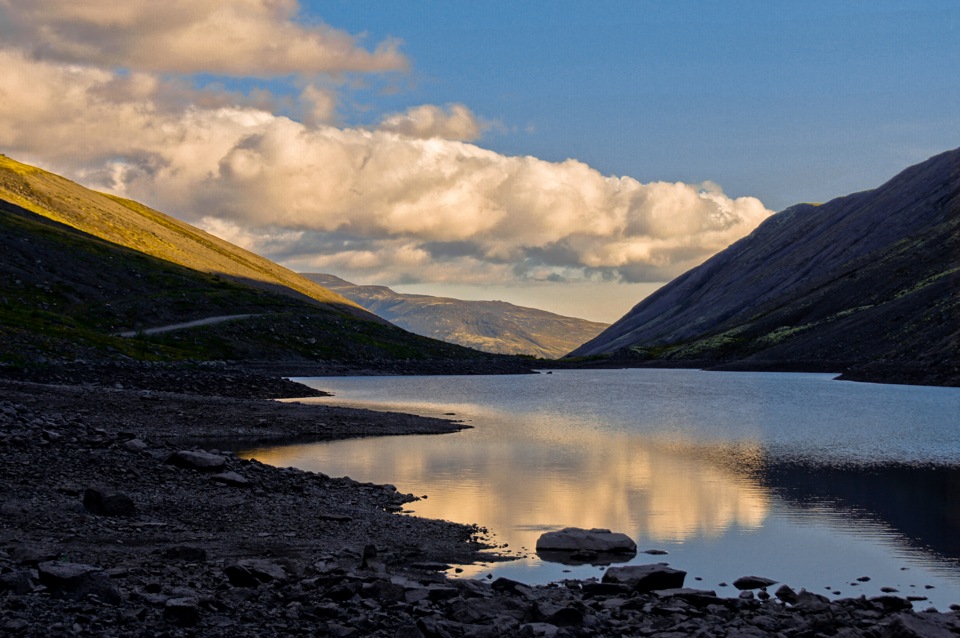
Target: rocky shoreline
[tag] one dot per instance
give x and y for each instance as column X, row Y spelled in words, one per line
column 115, row 523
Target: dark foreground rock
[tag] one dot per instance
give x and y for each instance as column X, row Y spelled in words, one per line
column 280, row 552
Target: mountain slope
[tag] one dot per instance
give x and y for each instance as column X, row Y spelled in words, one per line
column 868, row 283
column 491, row 326
column 133, row 225
column 65, row 294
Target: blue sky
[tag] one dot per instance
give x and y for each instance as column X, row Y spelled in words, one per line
column 566, row 155
column 785, row 101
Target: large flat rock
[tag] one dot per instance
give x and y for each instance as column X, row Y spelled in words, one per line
column 575, row 539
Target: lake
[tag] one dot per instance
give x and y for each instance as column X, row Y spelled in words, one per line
column 816, row 483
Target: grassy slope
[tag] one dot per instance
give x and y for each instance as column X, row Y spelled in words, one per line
column 64, row 292
column 140, row 228
column 868, row 283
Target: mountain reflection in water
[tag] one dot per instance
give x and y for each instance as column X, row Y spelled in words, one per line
column 920, row 503
column 795, row 477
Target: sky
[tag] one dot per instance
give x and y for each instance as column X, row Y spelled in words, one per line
column 571, row 156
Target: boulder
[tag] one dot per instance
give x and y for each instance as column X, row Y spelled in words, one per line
column 786, row 594
column 645, row 578
column 76, row 580
column 575, row 539
column 810, row 601
column 135, row 445
column 104, row 502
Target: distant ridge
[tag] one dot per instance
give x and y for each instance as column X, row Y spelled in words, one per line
column 492, row 326
column 868, row 284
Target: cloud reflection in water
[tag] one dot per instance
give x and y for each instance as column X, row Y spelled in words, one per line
column 541, row 479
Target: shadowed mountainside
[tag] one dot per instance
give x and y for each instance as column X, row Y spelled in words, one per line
column 867, row 284
column 491, row 326
column 78, row 267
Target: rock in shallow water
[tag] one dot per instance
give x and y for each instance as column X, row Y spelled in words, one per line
column 753, row 582
column 573, row 539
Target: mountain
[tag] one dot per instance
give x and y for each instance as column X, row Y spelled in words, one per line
column 78, row 267
column 135, row 226
column 491, row 326
column 867, row 284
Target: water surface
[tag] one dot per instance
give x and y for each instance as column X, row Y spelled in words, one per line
column 796, row 477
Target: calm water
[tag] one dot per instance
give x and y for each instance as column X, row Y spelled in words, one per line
column 795, row 477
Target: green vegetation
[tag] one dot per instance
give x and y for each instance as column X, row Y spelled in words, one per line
column 138, row 227
column 76, row 270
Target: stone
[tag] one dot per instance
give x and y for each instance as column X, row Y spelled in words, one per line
column 19, row 582
column 906, row 625
column 263, row 570
column 135, row 445
column 538, row 629
column 76, row 580
column 645, row 578
column 561, row 616
column 695, row 597
column 64, row 575
column 892, row 603
column 32, row 555
column 753, row 582
column 811, row 601
column 186, row 553
column 231, row 478
column 197, row 460
column 786, row 594
column 183, row 612
column 572, row 539
column 103, row 502
column 240, row 576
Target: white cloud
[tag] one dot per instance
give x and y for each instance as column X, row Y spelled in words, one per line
column 243, row 38
column 410, row 200
column 457, row 122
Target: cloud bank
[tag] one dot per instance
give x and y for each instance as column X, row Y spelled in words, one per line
column 241, row 38
column 104, row 95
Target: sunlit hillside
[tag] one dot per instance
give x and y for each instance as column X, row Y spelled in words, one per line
column 143, row 229
column 87, row 277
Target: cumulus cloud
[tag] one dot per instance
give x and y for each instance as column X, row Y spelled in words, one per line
column 241, row 38
column 457, row 122
column 408, row 200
